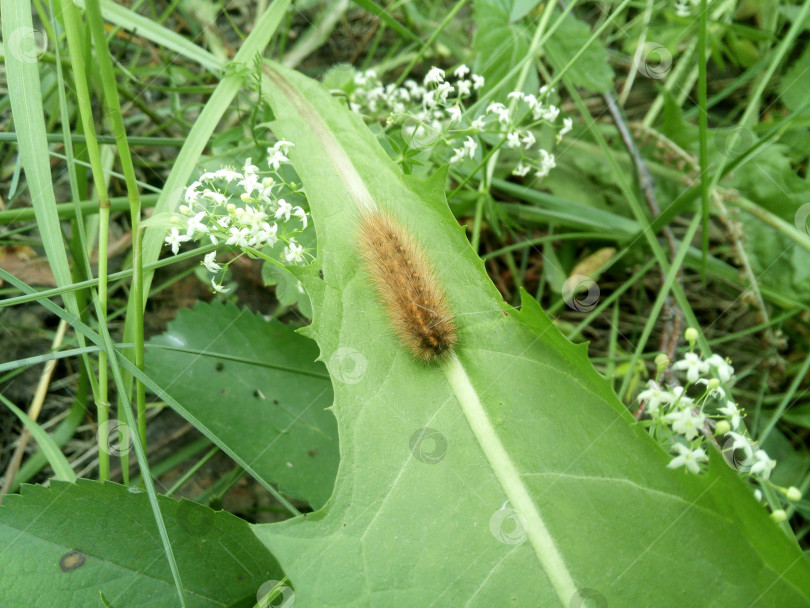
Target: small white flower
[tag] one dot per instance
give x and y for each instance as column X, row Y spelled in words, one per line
column 229, row 174
column 461, row 71
column 654, row 396
column 682, row 8
column 478, row 81
column 434, row 76
column 429, row 99
column 175, row 238
column 531, row 101
column 265, row 234
column 210, row 264
column 521, row 169
column 218, row 288
column 528, row 140
column 515, row 95
column 721, row 367
column 239, row 237
column 477, row 124
column 454, row 112
column 763, row 465
column 681, row 400
column 715, row 391
column 741, row 442
column 299, row 212
column 733, row 412
column 443, row 91
column 547, row 163
column 693, row 365
column 249, row 167
column 284, row 210
column 215, row 197
column 463, row 87
column 294, row 252
column 499, row 109
column 470, row 146
column 513, row 139
column 195, row 225
column 192, row 195
column 690, row 459
column 551, row 113
column 685, row 422
column 275, row 158
column 250, row 182
column 283, row 146
column 568, row 124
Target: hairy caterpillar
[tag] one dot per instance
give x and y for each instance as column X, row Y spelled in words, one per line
column 407, row 285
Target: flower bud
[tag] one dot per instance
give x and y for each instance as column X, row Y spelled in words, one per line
column 779, row 516
column 245, row 197
column 662, row 362
column 230, row 208
column 713, row 384
column 722, row 427
column 183, row 209
column 691, row 335
column 793, row 494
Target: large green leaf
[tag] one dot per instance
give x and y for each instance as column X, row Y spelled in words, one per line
column 255, row 389
column 501, row 41
column 510, row 475
column 592, row 70
column 68, row 544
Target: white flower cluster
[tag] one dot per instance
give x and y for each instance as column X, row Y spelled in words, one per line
column 435, row 111
column 683, row 8
column 259, row 219
column 688, row 425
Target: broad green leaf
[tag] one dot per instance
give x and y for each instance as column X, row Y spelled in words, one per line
column 67, row 544
column 500, row 42
column 592, row 70
column 510, row 474
column 794, row 86
column 256, row 389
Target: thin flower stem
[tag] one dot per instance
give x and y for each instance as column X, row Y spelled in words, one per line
column 73, row 33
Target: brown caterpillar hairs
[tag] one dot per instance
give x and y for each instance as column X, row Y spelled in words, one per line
column 407, row 285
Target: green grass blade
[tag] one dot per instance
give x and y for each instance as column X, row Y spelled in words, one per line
column 55, row 457
column 25, row 95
